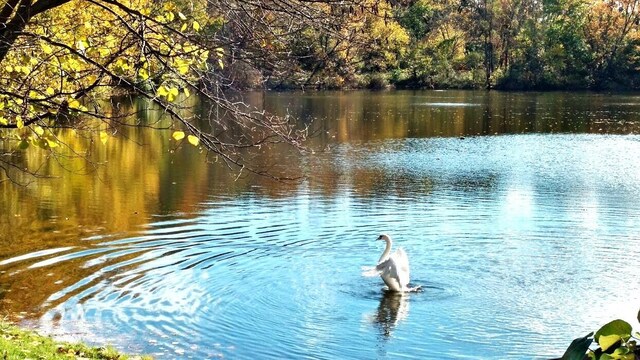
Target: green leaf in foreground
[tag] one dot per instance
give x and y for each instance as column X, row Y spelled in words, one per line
column 617, row 327
column 621, row 353
column 578, row 348
column 606, row 341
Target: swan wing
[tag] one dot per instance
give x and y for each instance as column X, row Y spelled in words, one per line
column 395, row 271
column 402, row 263
column 385, row 265
column 388, row 270
column 370, row 271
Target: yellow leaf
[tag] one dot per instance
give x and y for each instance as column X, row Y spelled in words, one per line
column 181, row 16
column 46, row 48
column 3, row 121
column 19, row 122
column 104, row 51
column 162, row 91
column 143, row 74
column 51, row 143
column 186, row 92
column 221, row 64
column 104, row 137
column 178, row 135
column 193, row 140
column 9, row 68
column 38, row 130
column 220, row 51
column 196, row 26
column 169, row 15
column 184, row 27
column 173, row 92
column 183, row 67
column 605, row 341
column 50, row 91
column 74, row 104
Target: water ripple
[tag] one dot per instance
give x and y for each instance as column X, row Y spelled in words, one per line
column 507, row 235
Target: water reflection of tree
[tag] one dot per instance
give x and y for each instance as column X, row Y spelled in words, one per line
column 357, row 117
column 393, row 309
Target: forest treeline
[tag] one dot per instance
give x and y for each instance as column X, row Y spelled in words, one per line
column 505, row 44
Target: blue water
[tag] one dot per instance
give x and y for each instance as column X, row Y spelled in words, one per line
column 520, row 242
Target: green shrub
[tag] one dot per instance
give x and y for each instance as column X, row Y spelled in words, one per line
column 615, row 342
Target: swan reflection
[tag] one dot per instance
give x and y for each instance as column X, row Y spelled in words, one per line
column 393, row 309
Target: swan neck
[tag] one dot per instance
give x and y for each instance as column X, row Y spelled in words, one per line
column 386, row 251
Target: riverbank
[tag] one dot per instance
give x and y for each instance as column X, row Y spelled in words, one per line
column 16, row 343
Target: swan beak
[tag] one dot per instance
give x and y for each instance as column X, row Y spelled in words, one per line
column 380, row 238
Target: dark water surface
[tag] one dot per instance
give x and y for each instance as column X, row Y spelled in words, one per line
column 520, row 214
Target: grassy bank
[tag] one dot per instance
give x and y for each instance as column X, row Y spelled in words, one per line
column 16, row 343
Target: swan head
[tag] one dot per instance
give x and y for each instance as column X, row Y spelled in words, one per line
column 384, row 237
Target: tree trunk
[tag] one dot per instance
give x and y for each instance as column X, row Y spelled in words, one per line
column 12, row 26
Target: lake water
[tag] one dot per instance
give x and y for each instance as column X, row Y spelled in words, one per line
column 520, row 213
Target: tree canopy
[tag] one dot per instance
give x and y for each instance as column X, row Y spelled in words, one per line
column 63, row 61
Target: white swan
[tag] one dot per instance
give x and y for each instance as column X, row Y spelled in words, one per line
column 394, row 268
